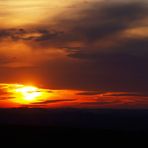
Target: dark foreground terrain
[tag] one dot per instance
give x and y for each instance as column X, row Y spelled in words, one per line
column 72, row 125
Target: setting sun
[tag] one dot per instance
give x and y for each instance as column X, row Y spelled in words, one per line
column 18, row 95
column 29, row 93
column 23, row 94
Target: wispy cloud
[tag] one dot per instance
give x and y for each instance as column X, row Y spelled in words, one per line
column 53, row 101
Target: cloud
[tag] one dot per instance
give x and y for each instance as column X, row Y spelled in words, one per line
column 53, row 101
column 103, row 102
column 28, row 34
column 98, row 20
column 97, row 50
column 125, row 94
column 112, row 94
column 4, row 94
column 89, row 93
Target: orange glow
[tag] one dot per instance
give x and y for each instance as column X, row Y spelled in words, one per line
column 27, row 94
column 19, row 95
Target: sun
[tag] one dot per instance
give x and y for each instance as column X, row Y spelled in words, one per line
column 29, row 93
column 23, row 94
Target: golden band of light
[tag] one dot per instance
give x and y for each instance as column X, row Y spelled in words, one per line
column 27, row 94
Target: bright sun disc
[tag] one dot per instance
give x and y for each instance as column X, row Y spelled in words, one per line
column 29, row 93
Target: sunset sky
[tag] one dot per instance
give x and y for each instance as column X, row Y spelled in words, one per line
column 74, row 53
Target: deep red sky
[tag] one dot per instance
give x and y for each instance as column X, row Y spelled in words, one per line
column 90, row 53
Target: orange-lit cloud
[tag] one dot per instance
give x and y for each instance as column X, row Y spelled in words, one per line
column 29, row 95
column 18, row 95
